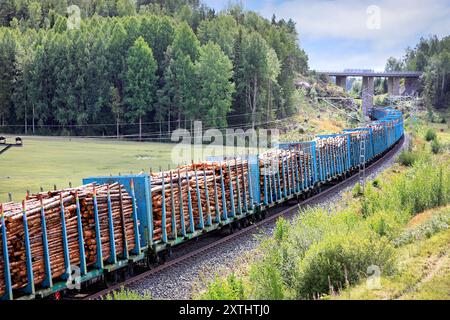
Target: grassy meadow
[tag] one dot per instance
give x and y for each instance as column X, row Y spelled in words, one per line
column 43, row 162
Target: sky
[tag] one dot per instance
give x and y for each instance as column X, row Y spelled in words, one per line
column 343, row 34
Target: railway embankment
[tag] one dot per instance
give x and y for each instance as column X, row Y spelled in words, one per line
column 186, row 281
column 390, row 242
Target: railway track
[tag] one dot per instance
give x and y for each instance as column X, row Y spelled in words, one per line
column 270, row 218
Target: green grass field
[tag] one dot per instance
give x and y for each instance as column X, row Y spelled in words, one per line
column 48, row 161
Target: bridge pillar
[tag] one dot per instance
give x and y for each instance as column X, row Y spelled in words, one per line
column 341, row 81
column 368, row 91
column 412, row 86
column 394, row 86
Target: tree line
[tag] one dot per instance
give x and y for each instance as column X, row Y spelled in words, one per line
column 158, row 66
column 432, row 57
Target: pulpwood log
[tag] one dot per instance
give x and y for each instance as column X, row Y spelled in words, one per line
column 52, row 204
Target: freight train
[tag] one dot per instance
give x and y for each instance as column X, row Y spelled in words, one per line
column 57, row 241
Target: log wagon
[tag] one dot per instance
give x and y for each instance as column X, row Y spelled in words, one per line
column 52, row 241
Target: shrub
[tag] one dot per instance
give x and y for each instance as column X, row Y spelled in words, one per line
column 125, row 294
column 357, row 190
column 230, row 288
column 342, row 260
column 408, row 158
column 430, row 135
column 436, row 146
column 266, row 279
column 376, row 183
column 388, row 223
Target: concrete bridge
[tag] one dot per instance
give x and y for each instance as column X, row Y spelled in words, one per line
column 393, row 78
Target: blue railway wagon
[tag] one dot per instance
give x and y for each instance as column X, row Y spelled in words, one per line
column 301, row 166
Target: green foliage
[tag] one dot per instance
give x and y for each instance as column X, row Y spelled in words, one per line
column 342, row 260
column 432, row 56
column 425, row 185
column 57, row 80
column 125, row 294
column 223, row 30
column 408, row 158
column 140, row 83
column 214, row 89
column 436, row 146
column 230, row 288
column 322, row 252
column 430, row 135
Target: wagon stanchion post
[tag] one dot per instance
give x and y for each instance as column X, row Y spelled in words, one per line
column 208, row 206
column 47, row 283
column 232, row 204
column 172, row 207
column 250, row 179
column 244, row 185
column 83, row 266
column 216, row 197
column 137, row 246
column 238, row 188
column 266, row 198
column 283, row 172
column 180, row 193
column 280, row 192
column 68, row 269
column 289, row 171
column 112, row 241
column 295, row 164
column 163, row 216
column 8, row 295
column 224, row 200
column 150, row 231
column 29, row 289
column 99, row 259
column 125, row 254
column 272, row 184
column 199, row 200
column 191, row 215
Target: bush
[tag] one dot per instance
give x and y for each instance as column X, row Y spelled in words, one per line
column 388, row 223
column 408, row 158
column 430, row 135
column 231, row 288
column 436, row 146
column 125, row 294
column 342, row 260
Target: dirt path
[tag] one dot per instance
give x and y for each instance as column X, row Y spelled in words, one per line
column 435, row 263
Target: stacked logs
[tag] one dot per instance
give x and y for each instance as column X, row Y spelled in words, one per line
column 297, row 170
column 331, row 153
column 52, row 203
column 202, row 184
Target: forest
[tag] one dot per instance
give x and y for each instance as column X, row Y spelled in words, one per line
column 432, row 56
column 142, row 69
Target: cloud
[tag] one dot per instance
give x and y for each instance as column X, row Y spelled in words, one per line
column 348, row 18
column 385, row 27
column 352, row 27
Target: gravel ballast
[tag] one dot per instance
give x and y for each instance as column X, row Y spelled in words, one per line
column 177, row 282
